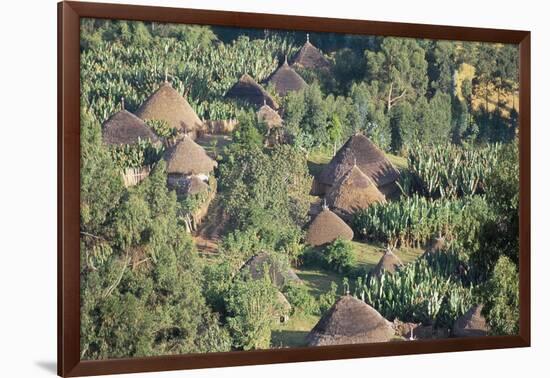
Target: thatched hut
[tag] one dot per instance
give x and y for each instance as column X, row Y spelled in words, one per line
column 471, row 324
column 279, row 272
column 285, row 80
column 125, row 128
column 350, row 321
column 435, row 245
column 354, row 191
column 247, row 89
column 360, row 151
column 389, row 262
column 269, row 116
column 186, row 159
column 311, row 57
column 166, row 104
column 327, row 227
column 194, row 185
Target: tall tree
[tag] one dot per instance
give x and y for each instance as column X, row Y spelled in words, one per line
column 400, row 68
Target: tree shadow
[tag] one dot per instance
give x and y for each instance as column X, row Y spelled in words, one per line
column 49, row 366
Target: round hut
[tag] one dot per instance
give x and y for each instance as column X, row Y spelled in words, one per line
column 354, row 191
column 285, row 80
column 269, row 116
column 187, row 159
column 125, row 128
column 327, row 227
column 389, row 262
column 311, row 57
column 195, row 185
column 248, row 90
column 360, row 151
column 166, row 104
column 471, row 324
column 435, row 245
column 350, row 321
column 279, row 272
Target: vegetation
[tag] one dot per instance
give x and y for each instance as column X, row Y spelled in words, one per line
column 444, row 113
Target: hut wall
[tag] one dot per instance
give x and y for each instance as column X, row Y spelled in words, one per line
column 225, row 126
column 133, row 176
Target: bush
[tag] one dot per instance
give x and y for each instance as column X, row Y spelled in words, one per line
column 326, row 300
column 339, row 255
column 300, row 299
column 501, row 298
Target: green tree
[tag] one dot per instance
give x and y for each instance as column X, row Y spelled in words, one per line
column 400, row 68
column 339, row 255
column 501, row 299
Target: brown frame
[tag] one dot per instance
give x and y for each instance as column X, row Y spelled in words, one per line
column 69, row 14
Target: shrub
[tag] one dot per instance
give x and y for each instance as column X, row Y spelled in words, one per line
column 300, row 299
column 339, row 255
column 326, row 300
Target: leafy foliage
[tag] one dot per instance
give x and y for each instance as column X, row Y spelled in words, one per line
column 339, row 255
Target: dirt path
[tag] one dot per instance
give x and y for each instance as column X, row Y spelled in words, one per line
column 208, row 235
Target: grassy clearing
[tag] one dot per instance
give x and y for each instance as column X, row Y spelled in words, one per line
column 293, row 333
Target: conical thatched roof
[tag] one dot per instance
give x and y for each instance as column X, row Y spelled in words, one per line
column 188, row 158
column 471, row 324
column 285, row 79
column 247, row 89
column 350, row 321
column 360, row 151
column 125, row 128
column 352, row 192
column 269, row 116
column 279, row 273
column 389, row 262
column 195, row 185
column 327, row 227
column 309, row 56
column 168, row 105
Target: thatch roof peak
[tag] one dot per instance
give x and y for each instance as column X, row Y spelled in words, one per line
column 168, row 105
column 310, row 56
column 124, row 127
column 247, row 89
column 285, row 79
column 471, row 324
column 327, row 227
column 362, row 152
column 354, row 191
column 389, row 262
column 188, row 158
column 350, row 321
column 263, row 263
column 269, row 116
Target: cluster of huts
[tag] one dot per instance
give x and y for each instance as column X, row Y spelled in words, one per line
column 357, row 176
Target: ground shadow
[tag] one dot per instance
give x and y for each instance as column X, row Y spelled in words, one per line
column 49, row 366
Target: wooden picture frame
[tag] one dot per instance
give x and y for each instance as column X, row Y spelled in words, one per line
column 69, row 14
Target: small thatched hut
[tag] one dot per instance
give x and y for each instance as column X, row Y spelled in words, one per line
column 352, row 192
column 327, row 227
column 279, row 272
column 247, row 89
column 471, row 324
column 185, row 159
column 350, row 321
column 360, row 151
column 311, row 57
column 269, row 116
column 435, row 245
column 125, row 128
column 389, row 262
column 166, row 104
column 195, row 185
column 285, row 80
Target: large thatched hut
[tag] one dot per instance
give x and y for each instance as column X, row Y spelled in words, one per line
column 187, row 159
column 285, row 80
column 166, row 104
column 354, row 191
column 389, row 262
column 268, row 115
column 247, row 89
column 278, row 271
column 360, row 151
column 350, row 321
column 125, row 128
column 327, row 227
column 311, row 57
column 471, row 324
